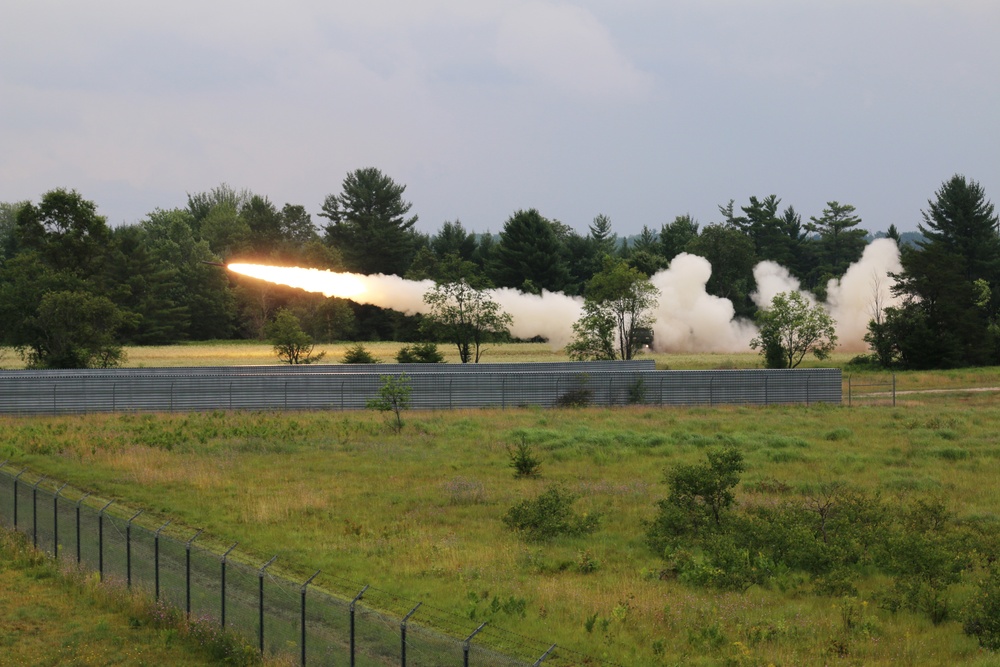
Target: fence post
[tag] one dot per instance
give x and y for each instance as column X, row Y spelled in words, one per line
column 302, row 643
column 260, row 579
column 222, row 621
column 544, row 655
column 55, row 521
column 156, row 558
column 100, row 540
column 16, row 478
column 187, row 574
column 466, row 645
column 78, row 503
column 356, row 598
column 402, row 633
column 34, row 512
column 893, row 390
column 128, row 550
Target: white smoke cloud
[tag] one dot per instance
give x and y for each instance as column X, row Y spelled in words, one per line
column 689, row 319
column 852, row 300
column 865, row 286
column 550, row 314
column 772, row 279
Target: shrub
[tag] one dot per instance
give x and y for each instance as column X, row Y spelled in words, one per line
column 549, row 515
column 982, row 618
column 637, row 392
column 523, row 460
column 357, row 354
column 579, row 396
column 576, row 398
column 421, row 353
column 394, row 397
column 699, row 495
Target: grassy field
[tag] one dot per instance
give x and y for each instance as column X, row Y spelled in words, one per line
column 418, row 514
column 53, row 617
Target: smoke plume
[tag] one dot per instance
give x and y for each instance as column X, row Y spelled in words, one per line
column 687, row 317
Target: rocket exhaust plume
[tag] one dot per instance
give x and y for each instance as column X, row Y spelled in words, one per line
column 550, row 314
column 687, row 318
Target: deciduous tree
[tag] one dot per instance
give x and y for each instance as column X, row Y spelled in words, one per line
column 791, row 328
column 291, row 344
column 619, row 301
column 465, row 316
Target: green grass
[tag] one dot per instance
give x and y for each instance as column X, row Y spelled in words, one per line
column 61, row 617
column 419, row 514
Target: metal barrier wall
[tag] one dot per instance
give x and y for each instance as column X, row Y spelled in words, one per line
column 279, row 616
column 27, row 393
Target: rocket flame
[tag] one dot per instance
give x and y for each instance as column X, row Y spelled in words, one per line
column 344, row 285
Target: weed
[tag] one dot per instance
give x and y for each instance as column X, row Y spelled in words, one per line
column 586, row 563
column 464, row 491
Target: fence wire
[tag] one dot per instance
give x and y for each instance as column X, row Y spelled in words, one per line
column 281, row 617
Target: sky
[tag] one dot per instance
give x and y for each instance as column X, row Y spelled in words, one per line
column 641, row 110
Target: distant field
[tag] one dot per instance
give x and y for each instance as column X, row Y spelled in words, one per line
column 253, row 353
column 419, row 514
column 236, row 353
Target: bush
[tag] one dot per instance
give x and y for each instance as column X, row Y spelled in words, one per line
column 421, row 353
column 523, row 460
column 393, row 397
column 549, row 515
column 575, row 398
column 578, row 397
column 982, row 618
column 357, row 354
column 637, row 392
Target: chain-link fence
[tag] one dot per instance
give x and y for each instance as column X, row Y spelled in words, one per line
column 338, row 623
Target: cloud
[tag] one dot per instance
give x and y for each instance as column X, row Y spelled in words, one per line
column 566, row 46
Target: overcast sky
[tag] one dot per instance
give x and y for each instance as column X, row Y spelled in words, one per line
column 638, row 109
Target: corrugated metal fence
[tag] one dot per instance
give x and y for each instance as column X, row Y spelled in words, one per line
column 433, row 386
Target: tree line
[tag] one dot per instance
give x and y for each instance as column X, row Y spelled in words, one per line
column 74, row 290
